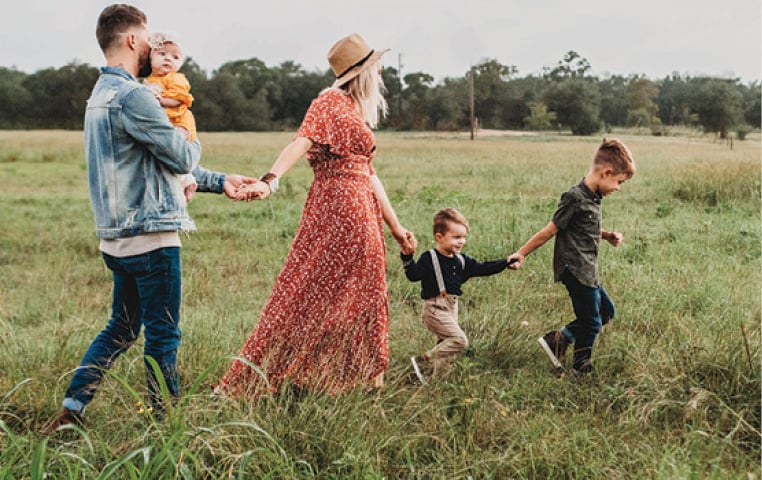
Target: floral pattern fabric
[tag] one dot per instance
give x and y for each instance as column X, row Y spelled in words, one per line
column 325, row 325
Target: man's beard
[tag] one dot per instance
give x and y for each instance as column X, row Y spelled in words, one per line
column 145, row 66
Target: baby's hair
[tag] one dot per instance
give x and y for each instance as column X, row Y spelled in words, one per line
column 160, row 38
column 448, row 215
column 615, row 154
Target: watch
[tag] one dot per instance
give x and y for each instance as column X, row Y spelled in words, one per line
column 271, row 180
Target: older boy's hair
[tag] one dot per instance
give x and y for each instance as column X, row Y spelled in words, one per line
column 615, row 154
column 448, row 215
column 115, row 20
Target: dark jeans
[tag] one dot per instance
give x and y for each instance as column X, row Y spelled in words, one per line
column 593, row 309
column 147, row 291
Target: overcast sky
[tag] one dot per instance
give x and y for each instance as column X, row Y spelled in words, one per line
column 441, row 38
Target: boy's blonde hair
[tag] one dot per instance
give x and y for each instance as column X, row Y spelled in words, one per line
column 448, row 215
column 615, row 154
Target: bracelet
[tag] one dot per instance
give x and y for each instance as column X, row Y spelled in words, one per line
column 271, row 180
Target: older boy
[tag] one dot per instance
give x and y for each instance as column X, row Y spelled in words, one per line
column 577, row 227
column 442, row 271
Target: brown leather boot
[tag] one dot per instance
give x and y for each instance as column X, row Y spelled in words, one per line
column 64, row 417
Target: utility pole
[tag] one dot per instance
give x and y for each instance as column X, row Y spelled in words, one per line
column 471, row 99
column 399, row 81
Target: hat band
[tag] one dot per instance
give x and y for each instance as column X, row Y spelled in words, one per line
column 355, row 65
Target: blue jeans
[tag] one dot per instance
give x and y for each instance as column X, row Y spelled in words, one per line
column 147, row 291
column 593, row 309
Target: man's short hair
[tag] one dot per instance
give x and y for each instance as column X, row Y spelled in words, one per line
column 615, row 154
column 115, row 20
column 442, row 217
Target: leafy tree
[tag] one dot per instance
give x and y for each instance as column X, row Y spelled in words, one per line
column 613, row 100
column 199, row 83
column 517, row 94
column 540, row 118
column 718, row 105
column 237, row 111
column 296, row 88
column 572, row 95
column 415, row 100
column 573, row 65
column 640, row 96
column 393, row 85
column 752, row 102
column 16, row 101
column 59, row 96
column 674, row 100
column 490, row 92
column 446, row 104
column 249, row 95
column 194, row 73
column 259, row 88
column 576, row 102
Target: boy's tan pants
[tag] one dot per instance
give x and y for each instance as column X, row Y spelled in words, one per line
column 440, row 315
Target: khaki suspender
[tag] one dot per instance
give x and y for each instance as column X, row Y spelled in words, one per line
column 438, row 269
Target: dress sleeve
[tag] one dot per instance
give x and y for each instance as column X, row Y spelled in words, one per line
column 328, row 121
column 177, row 87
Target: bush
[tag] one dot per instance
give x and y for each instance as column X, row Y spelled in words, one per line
column 742, row 131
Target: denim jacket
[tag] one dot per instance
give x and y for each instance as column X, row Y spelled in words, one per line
column 134, row 156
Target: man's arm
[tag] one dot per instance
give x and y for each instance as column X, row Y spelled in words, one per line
column 146, row 122
column 209, row 181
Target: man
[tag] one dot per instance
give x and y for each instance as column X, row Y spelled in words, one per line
column 134, row 156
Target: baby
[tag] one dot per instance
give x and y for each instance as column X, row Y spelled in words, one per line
column 172, row 90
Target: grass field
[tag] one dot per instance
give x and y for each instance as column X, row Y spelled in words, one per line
column 675, row 394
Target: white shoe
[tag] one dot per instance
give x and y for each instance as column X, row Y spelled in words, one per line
column 417, row 371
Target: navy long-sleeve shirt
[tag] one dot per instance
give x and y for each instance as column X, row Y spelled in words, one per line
column 453, row 274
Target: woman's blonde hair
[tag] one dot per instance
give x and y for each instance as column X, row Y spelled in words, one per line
column 367, row 90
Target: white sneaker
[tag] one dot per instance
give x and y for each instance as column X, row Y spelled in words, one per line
column 417, row 370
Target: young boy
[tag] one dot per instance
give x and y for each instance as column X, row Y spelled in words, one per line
column 577, row 227
column 442, row 271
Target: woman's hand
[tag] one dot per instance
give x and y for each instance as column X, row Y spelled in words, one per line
column 233, row 183
column 253, row 191
column 406, row 240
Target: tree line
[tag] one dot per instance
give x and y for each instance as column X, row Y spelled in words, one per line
column 247, row 95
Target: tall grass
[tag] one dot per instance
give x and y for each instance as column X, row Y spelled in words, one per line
column 676, row 392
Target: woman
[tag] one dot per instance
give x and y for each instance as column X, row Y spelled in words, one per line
column 325, row 326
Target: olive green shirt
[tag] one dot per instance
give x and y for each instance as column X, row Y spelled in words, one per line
column 578, row 218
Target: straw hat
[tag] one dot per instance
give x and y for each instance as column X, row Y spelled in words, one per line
column 350, row 56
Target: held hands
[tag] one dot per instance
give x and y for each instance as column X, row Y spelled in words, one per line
column 614, row 238
column 515, row 261
column 258, row 190
column 234, row 182
column 406, row 241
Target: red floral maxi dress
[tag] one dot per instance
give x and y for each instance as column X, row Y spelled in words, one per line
column 325, row 325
